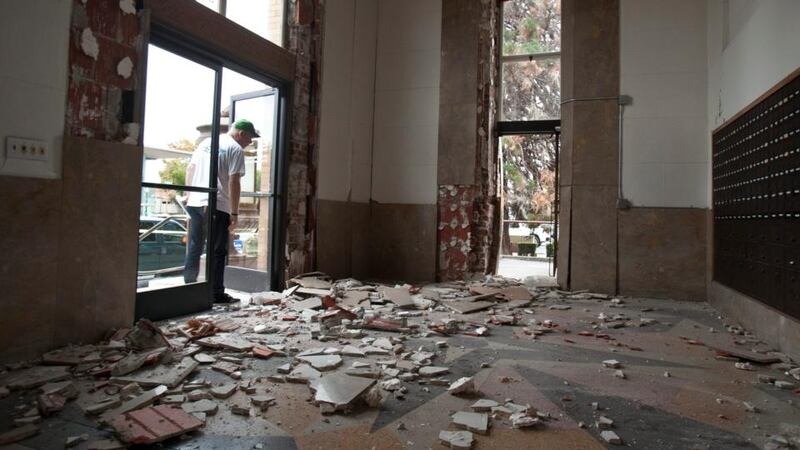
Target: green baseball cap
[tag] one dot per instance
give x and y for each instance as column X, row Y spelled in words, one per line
column 246, row 125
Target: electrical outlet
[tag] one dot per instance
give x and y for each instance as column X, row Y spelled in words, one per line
column 29, row 149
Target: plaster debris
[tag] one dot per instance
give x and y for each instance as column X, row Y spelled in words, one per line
column 462, row 386
column 339, row 390
column 612, row 364
column 472, row 421
column 484, row 405
column 461, row 440
column 127, row 6
column 433, row 371
column 89, row 44
column 323, row 362
column 611, row 437
column 125, row 67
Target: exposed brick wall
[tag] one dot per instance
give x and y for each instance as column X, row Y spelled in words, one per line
column 305, row 41
column 468, row 230
column 95, row 90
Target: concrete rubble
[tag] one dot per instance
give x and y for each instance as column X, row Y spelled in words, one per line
column 354, row 345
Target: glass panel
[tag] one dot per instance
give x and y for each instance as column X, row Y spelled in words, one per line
column 249, row 246
column 532, row 90
column 529, row 165
column 531, row 26
column 262, row 17
column 179, row 105
column 211, row 4
column 168, row 232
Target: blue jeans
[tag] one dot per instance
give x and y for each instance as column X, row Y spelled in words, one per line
column 197, row 240
column 219, row 242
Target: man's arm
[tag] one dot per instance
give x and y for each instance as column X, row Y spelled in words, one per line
column 188, row 179
column 235, row 188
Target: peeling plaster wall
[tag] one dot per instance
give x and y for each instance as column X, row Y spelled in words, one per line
column 467, row 231
column 305, row 41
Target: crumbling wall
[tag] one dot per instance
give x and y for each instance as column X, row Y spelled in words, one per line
column 468, row 231
column 104, row 48
column 305, row 41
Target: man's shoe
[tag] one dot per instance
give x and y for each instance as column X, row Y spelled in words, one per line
column 225, row 298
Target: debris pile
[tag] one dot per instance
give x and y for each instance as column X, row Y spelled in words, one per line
column 354, row 345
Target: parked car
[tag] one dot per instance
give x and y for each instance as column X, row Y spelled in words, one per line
column 163, row 250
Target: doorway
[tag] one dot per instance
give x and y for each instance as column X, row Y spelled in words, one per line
column 529, row 180
column 192, row 98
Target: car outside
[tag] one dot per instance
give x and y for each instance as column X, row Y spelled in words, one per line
column 163, row 250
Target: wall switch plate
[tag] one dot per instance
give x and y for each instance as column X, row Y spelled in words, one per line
column 32, row 149
column 28, row 158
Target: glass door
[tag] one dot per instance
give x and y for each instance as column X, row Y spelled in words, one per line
column 249, row 257
column 180, row 138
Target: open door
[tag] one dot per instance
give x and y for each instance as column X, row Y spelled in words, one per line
column 249, row 258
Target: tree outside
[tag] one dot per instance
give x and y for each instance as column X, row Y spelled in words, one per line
column 531, row 90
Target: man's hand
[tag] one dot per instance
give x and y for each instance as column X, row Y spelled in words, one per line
column 234, row 221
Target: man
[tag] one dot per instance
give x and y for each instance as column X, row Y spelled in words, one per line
column 230, row 169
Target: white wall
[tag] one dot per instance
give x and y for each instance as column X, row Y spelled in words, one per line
column 663, row 67
column 348, row 74
column 763, row 48
column 34, row 40
column 405, row 143
column 380, row 101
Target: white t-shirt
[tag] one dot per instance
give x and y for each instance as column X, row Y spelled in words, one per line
column 230, row 162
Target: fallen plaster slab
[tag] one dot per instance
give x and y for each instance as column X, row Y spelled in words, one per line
column 323, row 362
column 472, row 421
column 141, row 401
column 759, row 358
column 509, row 293
column 311, row 303
column 339, row 389
column 134, row 361
column 399, row 296
column 312, row 282
column 467, row 307
column 303, row 374
column 205, row 406
column 72, row 356
column 34, row 377
column 354, row 298
column 484, row 405
column 313, row 292
column 228, row 342
column 461, row 440
column 350, row 350
column 151, row 425
column 170, row 376
column 432, row 371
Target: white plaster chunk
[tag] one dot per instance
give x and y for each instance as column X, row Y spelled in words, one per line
column 611, row 437
column 456, row 439
column 89, row 44
column 127, row 6
column 125, row 67
column 465, row 386
column 475, row 422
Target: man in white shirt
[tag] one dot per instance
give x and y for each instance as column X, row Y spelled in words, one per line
column 230, row 169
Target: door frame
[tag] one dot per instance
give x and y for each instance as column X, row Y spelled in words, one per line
column 193, row 44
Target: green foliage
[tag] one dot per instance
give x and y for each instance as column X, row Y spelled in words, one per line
column 174, row 171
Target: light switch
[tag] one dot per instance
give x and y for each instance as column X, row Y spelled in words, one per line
column 28, row 158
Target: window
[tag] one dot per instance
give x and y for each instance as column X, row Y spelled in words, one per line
column 263, row 17
column 531, row 60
